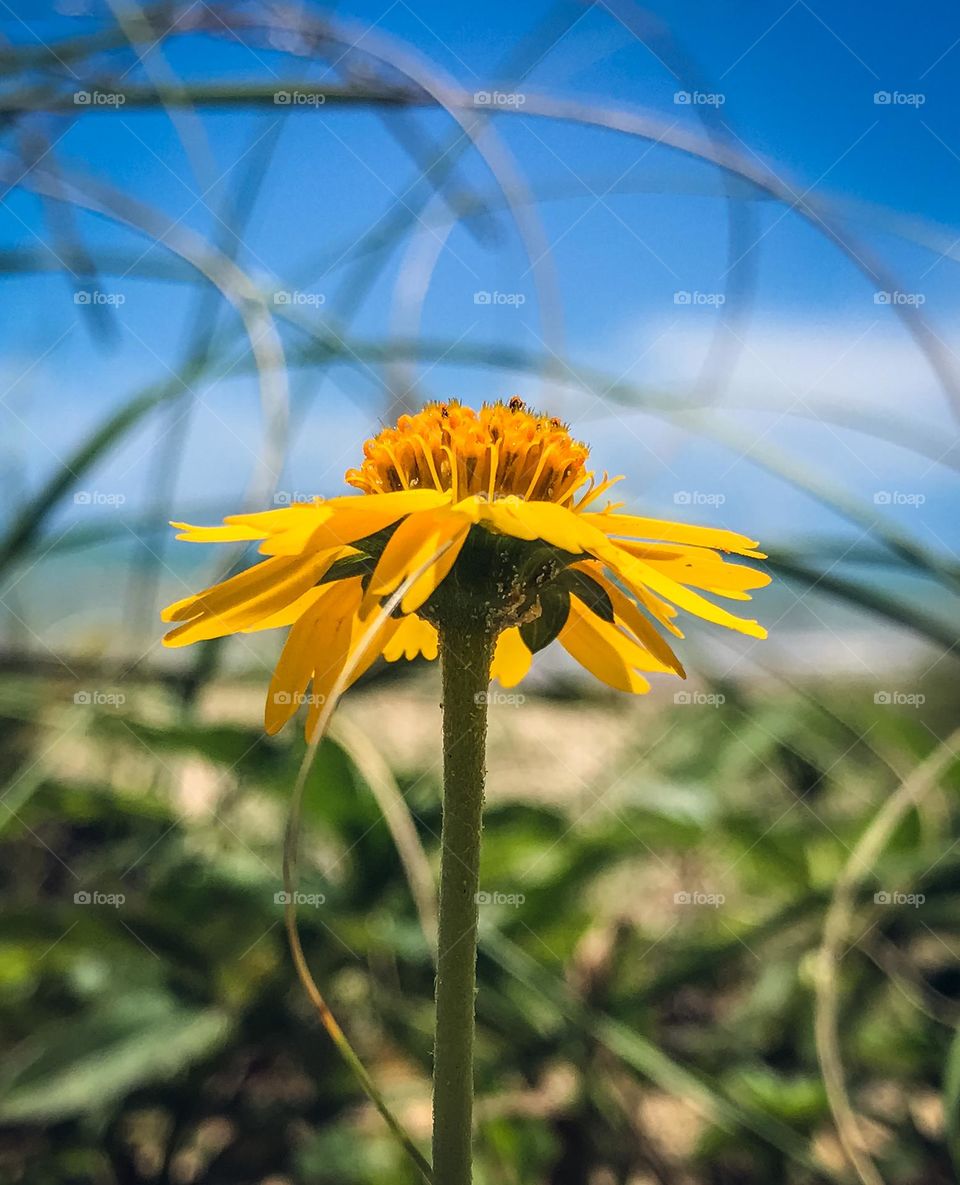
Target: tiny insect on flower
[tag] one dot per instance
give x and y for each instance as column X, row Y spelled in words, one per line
column 503, row 500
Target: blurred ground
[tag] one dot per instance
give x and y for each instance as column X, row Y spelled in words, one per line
column 656, row 880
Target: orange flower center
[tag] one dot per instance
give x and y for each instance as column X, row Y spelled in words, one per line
column 501, row 450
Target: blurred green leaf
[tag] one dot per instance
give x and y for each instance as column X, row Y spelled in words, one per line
column 130, row 1041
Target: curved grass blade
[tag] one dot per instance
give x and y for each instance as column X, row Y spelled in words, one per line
column 835, row 929
column 235, row 285
column 378, row 775
column 647, row 1059
column 291, row 845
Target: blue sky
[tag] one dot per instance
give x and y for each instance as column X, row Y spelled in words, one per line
column 627, row 224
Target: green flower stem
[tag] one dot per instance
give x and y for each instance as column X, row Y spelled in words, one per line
column 465, row 656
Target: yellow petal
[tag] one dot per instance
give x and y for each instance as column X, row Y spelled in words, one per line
column 700, row 568
column 557, row 525
column 314, row 534
column 418, row 538
column 395, row 504
column 325, row 679
column 295, row 665
column 658, row 609
column 345, row 520
column 227, row 534
column 511, row 658
column 632, row 526
column 728, row 593
column 219, row 597
column 346, row 653
column 285, row 616
column 630, row 616
column 383, row 641
column 638, row 576
column 246, row 599
column 269, row 522
column 373, row 649
column 414, row 636
column 602, row 649
column 264, row 524
column 316, row 648
column 397, row 637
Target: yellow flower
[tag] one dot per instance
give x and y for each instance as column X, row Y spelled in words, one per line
column 491, row 508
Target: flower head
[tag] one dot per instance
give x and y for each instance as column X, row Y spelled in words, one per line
column 501, row 451
column 487, row 516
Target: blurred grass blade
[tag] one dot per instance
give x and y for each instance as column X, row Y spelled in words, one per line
column 837, row 926
column 647, row 1059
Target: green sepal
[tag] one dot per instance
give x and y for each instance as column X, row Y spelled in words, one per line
column 554, row 610
column 594, row 595
column 543, row 562
column 351, row 565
